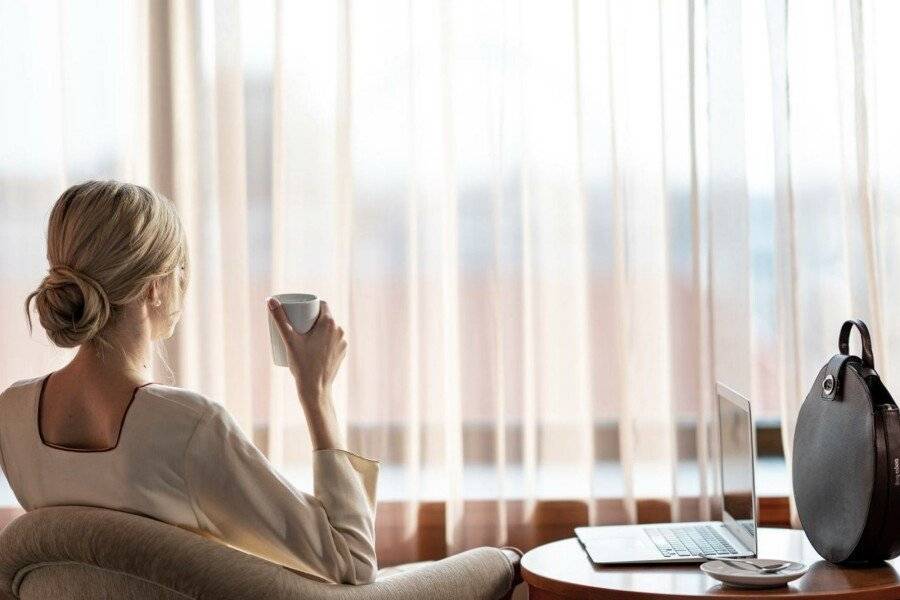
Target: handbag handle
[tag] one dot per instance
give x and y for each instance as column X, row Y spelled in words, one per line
column 844, row 341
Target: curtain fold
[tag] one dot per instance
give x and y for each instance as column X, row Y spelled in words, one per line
column 547, row 228
column 790, row 380
column 230, row 188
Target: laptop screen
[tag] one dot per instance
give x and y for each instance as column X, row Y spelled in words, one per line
column 738, row 498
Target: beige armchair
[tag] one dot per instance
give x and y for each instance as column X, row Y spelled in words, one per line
column 80, row 553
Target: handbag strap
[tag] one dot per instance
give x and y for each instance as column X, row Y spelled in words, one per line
column 831, row 382
column 844, row 341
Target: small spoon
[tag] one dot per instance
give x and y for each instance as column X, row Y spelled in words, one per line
column 741, row 564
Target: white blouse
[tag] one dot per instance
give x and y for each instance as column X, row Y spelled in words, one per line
column 182, row 459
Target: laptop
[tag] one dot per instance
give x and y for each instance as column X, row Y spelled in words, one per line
column 732, row 537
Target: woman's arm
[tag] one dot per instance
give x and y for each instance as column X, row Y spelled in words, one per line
column 239, row 498
column 314, row 359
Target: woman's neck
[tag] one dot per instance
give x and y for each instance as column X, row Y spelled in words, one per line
column 129, row 358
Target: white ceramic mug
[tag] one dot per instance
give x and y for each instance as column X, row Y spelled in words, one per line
column 302, row 310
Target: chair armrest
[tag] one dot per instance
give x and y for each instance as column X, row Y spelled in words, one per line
column 479, row 574
column 515, row 558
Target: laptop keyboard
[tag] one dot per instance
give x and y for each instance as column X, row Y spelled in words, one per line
column 693, row 540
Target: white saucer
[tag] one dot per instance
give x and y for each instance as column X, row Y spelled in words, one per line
column 748, row 579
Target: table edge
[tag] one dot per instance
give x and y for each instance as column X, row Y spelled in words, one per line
column 579, row 591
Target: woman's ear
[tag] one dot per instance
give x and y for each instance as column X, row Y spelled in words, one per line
column 154, row 294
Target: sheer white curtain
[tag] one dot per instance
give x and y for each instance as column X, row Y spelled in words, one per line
column 500, row 201
column 547, row 227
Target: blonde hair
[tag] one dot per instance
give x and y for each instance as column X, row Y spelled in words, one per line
column 106, row 243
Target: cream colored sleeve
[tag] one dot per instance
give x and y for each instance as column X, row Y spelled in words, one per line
column 240, row 498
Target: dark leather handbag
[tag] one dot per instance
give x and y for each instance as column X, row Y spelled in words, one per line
column 846, row 466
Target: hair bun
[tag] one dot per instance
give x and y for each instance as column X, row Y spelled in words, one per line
column 72, row 306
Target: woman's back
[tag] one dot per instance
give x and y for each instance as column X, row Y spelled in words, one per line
column 83, row 406
column 181, row 459
column 142, row 473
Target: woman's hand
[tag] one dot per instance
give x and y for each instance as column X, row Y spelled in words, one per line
column 314, row 357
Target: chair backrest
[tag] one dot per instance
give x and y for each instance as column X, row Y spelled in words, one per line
column 51, row 552
column 80, row 553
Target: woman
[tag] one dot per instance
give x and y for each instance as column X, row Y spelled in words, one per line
column 98, row 432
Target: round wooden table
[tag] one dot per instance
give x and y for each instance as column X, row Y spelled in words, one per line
column 563, row 570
